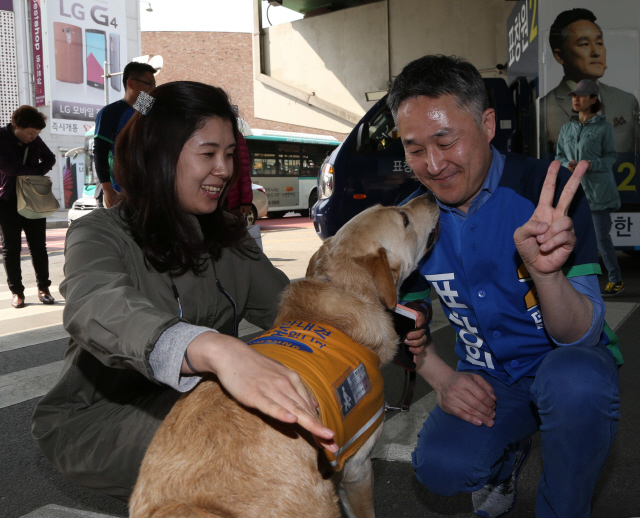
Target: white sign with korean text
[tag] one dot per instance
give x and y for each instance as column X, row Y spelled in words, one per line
column 70, row 127
column 518, row 34
column 625, row 228
column 522, row 41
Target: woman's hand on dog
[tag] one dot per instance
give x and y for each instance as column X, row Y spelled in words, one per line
column 258, row 382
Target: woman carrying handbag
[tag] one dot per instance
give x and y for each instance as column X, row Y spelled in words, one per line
column 22, row 152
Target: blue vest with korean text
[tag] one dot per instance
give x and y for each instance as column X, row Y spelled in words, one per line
column 483, row 286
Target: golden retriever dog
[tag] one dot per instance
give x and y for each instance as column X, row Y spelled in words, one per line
column 213, row 457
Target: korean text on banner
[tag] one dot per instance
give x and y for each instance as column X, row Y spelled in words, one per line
column 38, row 60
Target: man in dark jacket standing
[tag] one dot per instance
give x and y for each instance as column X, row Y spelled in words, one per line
column 22, row 152
column 136, row 78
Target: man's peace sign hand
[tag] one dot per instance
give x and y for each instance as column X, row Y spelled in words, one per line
column 546, row 240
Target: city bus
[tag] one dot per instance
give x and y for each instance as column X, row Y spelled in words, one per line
column 286, row 164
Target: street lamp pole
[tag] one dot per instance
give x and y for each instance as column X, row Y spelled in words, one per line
column 106, row 85
column 106, row 76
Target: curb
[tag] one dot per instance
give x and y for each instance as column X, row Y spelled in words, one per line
column 57, row 511
column 57, row 223
column 59, row 220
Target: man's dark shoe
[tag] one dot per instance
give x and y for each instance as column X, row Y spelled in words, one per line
column 45, row 296
column 18, row 300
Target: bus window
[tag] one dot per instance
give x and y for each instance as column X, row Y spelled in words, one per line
column 312, row 158
column 288, row 159
column 263, row 164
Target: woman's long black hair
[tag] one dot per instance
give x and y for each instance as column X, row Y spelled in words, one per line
column 147, row 152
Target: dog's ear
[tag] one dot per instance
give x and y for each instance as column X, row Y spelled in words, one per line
column 316, row 263
column 383, row 276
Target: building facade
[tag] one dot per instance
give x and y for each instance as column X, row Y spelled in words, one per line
column 317, row 71
column 223, row 59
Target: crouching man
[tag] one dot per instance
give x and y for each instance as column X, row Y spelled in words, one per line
column 515, row 269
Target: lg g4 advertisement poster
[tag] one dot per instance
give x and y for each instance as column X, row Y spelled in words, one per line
column 83, row 35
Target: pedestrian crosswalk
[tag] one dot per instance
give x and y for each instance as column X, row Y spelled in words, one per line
column 35, row 336
column 27, row 384
column 34, row 315
column 38, row 324
column 20, row 329
column 30, row 293
column 24, row 330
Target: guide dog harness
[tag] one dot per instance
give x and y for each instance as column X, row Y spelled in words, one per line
column 343, row 376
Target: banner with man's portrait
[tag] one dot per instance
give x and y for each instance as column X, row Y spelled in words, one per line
column 587, row 39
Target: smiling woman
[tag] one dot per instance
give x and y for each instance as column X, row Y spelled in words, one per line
column 154, row 290
column 205, row 166
column 174, row 163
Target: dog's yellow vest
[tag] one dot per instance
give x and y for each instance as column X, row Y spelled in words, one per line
column 343, row 376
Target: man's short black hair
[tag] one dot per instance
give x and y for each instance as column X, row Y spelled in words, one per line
column 558, row 32
column 135, row 70
column 437, row 75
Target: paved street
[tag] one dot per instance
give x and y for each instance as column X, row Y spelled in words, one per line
column 32, row 344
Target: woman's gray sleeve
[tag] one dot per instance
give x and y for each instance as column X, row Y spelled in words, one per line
column 166, row 357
